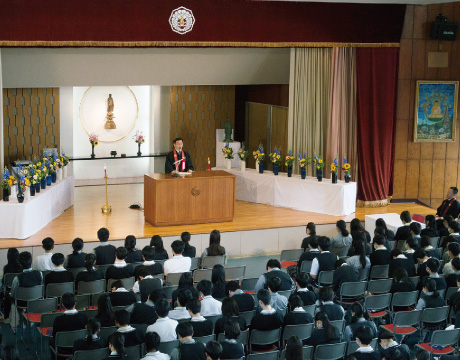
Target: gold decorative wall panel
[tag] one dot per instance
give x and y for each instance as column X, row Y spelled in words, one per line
column 196, row 112
column 30, row 122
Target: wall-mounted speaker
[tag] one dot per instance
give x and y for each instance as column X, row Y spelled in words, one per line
column 443, row 30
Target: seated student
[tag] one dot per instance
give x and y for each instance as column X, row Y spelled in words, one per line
column 152, row 343
column 185, row 282
column 267, row 319
column 59, row 273
column 294, row 348
column 13, row 266
column 213, row 350
column 117, row 347
column 214, row 248
column 400, row 261
column 425, row 244
column 432, row 266
column 401, row 282
column 389, row 234
column 120, row 296
column 104, row 311
column 157, row 243
column 411, row 246
column 201, row 325
column 188, row 348
column 359, row 260
column 218, row 281
column 309, row 255
column 133, row 336
column 403, row 232
column 274, row 269
column 421, row 257
column 245, row 301
column 307, row 296
column 379, row 230
column 92, row 341
column 230, row 311
column 381, row 255
column 90, row 273
column 77, row 258
column 341, row 242
column 144, row 312
column 365, row 351
column 278, row 302
column 134, row 255
column 297, row 315
column 431, row 229
column 209, row 305
column 311, row 232
column 189, row 251
column 387, row 341
column 178, row 263
column 146, row 284
column 415, row 229
column 120, row 269
column 164, row 326
column 231, row 347
column 105, row 252
column 453, row 251
column 430, row 298
column 325, row 332
column 451, row 279
column 359, row 318
column 180, row 312
column 343, row 273
column 326, row 305
column 453, row 298
column 43, row 262
column 422, row 354
column 155, row 268
column 325, row 261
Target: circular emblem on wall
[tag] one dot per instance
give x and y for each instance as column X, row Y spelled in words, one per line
column 181, row 20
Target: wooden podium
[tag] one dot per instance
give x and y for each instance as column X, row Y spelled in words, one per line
column 203, row 197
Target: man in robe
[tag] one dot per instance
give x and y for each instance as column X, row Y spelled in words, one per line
column 178, row 160
column 450, row 206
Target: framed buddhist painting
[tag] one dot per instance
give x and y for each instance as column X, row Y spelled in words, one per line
column 435, row 115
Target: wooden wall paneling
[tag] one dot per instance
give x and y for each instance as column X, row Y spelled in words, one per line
column 426, row 151
column 405, row 60
column 439, row 151
column 431, row 73
column 35, row 120
column 433, row 11
column 438, row 175
column 402, row 111
column 14, row 145
column 418, row 59
column 401, row 143
column 412, row 179
column 28, row 134
column 452, row 147
column 425, row 178
column 43, row 134
column 413, row 148
column 450, row 178
column 420, row 21
column 400, row 172
column 6, row 120
column 47, row 113
column 454, row 60
column 55, row 114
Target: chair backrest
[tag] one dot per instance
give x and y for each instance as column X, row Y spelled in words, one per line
column 235, row 272
column 435, row 315
column 380, row 286
column 392, row 244
column 107, row 331
column 128, row 283
column 195, row 263
column 418, row 217
column 136, row 264
column 95, row 298
column 291, row 254
column 168, row 290
column 339, row 324
column 47, row 320
column 173, row 278
column 353, row 346
column 168, row 346
column 90, row 314
column 243, row 338
column 306, row 266
column 42, row 306
column 59, row 289
column 308, row 352
column 202, row 274
column 377, row 302
column 364, row 274
column 208, row 262
column 8, row 279
column 310, row 309
column 91, row 287
column 213, row 319
column 441, row 292
column 82, row 301
column 445, row 337
column 29, row 293
column 91, row 354
column 141, row 327
column 330, row 351
column 257, row 337
column 352, row 289
column 285, row 293
column 404, row 299
column 205, row 339
column 270, row 355
column 133, row 352
column 325, row 277
column 103, row 268
column 248, row 315
column 450, row 291
column 249, row 284
column 302, row 331
column 407, row 318
column 379, row 271
column 75, row 271
column 67, row 338
column 434, row 241
column 414, row 280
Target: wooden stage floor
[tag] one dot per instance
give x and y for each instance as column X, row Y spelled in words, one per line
column 85, row 217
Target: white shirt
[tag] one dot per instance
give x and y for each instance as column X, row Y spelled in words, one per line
column 210, row 306
column 315, row 264
column 136, row 284
column 43, row 262
column 179, row 313
column 178, row 264
column 156, row 356
column 165, row 328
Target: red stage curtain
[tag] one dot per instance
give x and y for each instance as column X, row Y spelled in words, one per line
column 377, row 76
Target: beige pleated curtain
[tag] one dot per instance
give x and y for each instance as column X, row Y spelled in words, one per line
column 309, row 101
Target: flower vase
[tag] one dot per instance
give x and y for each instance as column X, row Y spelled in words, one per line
column 276, row 169
column 37, row 187
column 59, row 174
column 14, row 191
column 92, row 152
column 48, row 180
column 53, row 177
column 347, row 178
column 139, row 149
column 20, row 197
column 243, row 165
column 303, row 173
column 228, row 163
column 27, row 194
column 257, row 166
column 334, row 178
column 261, row 168
column 289, row 172
column 64, row 172
column 32, row 190
column 6, row 195
column 319, row 174
column 43, row 183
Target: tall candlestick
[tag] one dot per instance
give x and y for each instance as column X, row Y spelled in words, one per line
column 105, row 171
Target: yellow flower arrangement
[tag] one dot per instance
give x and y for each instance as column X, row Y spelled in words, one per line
column 346, row 166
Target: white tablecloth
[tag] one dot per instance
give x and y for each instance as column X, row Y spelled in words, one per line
column 19, row 221
column 392, row 220
column 306, row 195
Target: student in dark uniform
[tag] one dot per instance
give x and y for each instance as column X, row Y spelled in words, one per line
column 403, row 232
column 92, row 341
column 307, row 296
column 105, row 253
column 297, row 315
column 201, row 325
column 324, row 261
column 121, row 296
column 342, row 274
column 178, row 160
column 365, row 351
column 311, row 254
column 104, row 311
column 189, row 251
column 430, row 229
column 120, row 269
column 231, row 347
column 230, row 311
column 144, row 312
column 188, row 348
column 399, row 260
column 91, row 273
column 327, row 306
column 132, row 335
column 244, row 301
column 134, row 255
column 213, row 350
column 155, row 268
column 359, row 318
column 59, row 274
column 77, row 258
column 160, row 253
column 325, row 332
column 311, row 232
column 117, row 347
column 387, row 341
column 381, row 255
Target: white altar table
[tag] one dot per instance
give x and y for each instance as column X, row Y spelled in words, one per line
column 392, row 220
column 19, row 221
column 305, row 195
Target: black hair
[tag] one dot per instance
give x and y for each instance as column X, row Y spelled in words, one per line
column 360, row 250
column 232, row 286
column 430, row 222
column 364, row 334
column 419, row 254
column 294, row 348
column 177, row 139
column 47, row 244
column 448, row 219
column 339, row 263
column 456, row 263
column 356, row 225
column 359, row 312
column 218, row 275
column 162, row 307
column 415, row 227
column 130, row 243
column 273, row 263
column 295, row 301
column 454, row 190
column 393, row 353
column 57, row 259
column 214, row 248
column 381, row 223
column 186, row 281
column 425, row 241
column 103, row 234
column 178, row 247
column 380, row 231
column 395, row 253
column 433, row 264
column 148, row 252
column 213, row 350
column 412, row 242
column 122, row 317
column 324, row 243
column 400, row 275
column 264, row 296
column 144, row 272
column 430, row 285
column 205, row 287
column 77, row 245
column 454, row 248
column 157, row 294
column 68, row 301
column 302, row 279
column 117, row 284
column 386, row 335
column 274, row 284
column 194, row 305
column 90, row 259
column 379, row 239
column 117, row 340
column 422, row 354
column 312, row 227
column 325, row 294
column 184, row 295
column 157, row 243
column 313, row 243
column 329, row 329
column 184, row 329
column 104, row 307
column 342, row 226
column 406, row 216
column 232, row 329
column 92, row 328
column 185, row 237
column 10, row 352
column 230, row 307
column 13, row 256
column 152, row 341
column 121, row 253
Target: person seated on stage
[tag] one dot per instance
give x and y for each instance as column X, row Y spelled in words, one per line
column 214, row 248
column 144, row 312
column 274, row 270
column 381, row 255
column 159, row 251
column 152, row 343
column 325, row 261
column 453, row 251
column 146, row 284
column 387, row 341
column 311, row 254
column 120, row 269
column 359, row 318
column 230, row 311
column 403, row 232
column 307, row 296
column 132, row 335
column 421, row 257
column 188, row 348
column 105, row 252
column 91, row 273
column 400, row 260
column 245, row 301
column 164, row 326
column 180, row 311
column 327, row 306
column 120, row 296
column 431, row 229
column 451, row 279
column 297, row 314
column 77, row 258
column 231, row 347
column 43, row 262
column 432, row 266
column 343, row 273
column 155, row 268
column 178, row 263
column 178, row 160
column 213, row 350
column 450, row 206
column 311, row 232
column 201, row 325
column 425, row 244
column 59, row 273
column 341, row 242
column 209, row 305
column 411, row 246
column 134, row 255
column 189, row 251
column 365, row 351
column 92, row 341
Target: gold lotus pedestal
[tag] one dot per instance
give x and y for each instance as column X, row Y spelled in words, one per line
column 106, row 208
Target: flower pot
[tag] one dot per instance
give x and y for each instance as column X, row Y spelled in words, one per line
column 43, row 183
column 64, row 172
column 53, row 177
column 139, row 149
column 37, row 187
column 48, row 180
column 92, row 152
column 334, row 178
column 14, row 191
column 289, row 172
column 347, row 178
column 303, row 173
column 261, row 168
column 228, row 163
column 59, row 174
column 243, row 165
column 6, row 195
column 32, row 190
column 276, row 168
column 27, row 194
column 319, row 174
column 20, row 197
column 257, row 165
